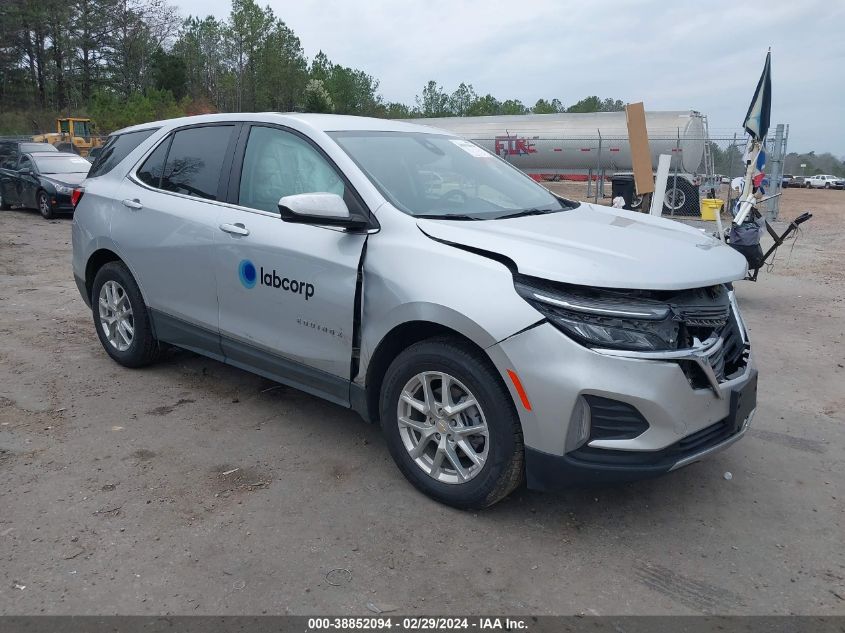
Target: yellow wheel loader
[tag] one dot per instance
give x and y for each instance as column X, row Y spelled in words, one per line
column 73, row 134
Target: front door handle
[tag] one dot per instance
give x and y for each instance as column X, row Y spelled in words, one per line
column 133, row 204
column 235, row 229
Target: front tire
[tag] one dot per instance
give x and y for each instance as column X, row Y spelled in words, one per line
column 121, row 318
column 5, row 206
column 451, row 425
column 43, row 201
column 827, row 185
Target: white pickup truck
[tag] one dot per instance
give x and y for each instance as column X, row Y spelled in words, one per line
column 825, row 181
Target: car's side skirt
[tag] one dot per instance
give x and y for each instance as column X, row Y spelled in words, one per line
column 175, row 331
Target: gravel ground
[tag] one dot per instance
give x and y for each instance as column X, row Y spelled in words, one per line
column 191, row 487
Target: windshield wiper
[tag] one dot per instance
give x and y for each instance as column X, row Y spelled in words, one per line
column 447, row 216
column 524, row 212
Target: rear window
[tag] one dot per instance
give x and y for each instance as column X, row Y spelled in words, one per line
column 116, row 149
column 28, row 148
column 61, row 164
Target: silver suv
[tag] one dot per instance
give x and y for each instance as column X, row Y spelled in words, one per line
column 496, row 331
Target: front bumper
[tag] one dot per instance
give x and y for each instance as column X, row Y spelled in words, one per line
column 596, row 467
column 684, row 423
column 61, row 203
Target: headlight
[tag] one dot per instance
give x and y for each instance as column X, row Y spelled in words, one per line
column 63, row 189
column 603, row 318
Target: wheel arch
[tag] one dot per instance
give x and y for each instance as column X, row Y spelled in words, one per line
column 393, row 343
column 102, row 251
column 96, row 261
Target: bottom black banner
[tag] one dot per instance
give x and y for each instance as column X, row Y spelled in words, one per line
column 401, row 624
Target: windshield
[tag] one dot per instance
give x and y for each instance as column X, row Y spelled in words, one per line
column 427, row 175
column 62, row 165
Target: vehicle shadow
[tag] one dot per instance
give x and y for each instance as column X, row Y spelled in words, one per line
column 698, row 485
column 26, row 211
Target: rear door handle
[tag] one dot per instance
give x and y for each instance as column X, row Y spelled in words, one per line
column 133, row 204
column 235, row 229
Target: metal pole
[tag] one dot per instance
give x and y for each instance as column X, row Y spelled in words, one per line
column 782, row 165
column 598, row 168
column 730, row 172
column 589, row 183
column 675, row 173
column 773, row 205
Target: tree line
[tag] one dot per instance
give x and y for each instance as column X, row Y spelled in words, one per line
column 815, row 164
column 728, row 161
column 129, row 61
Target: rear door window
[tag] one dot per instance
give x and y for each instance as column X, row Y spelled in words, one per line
column 195, row 161
column 116, row 149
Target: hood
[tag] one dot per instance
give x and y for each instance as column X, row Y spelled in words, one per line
column 599, row 246
column 66, row 179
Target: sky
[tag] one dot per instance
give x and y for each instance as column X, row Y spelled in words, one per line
column 681, row 55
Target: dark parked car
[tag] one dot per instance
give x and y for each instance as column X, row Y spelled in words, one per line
column 797, row 181
column 43, row 181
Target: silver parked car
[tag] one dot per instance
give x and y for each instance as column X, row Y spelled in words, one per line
column 496, row 331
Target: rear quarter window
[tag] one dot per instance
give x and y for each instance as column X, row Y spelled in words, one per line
column 151, row 171
column 116, row 149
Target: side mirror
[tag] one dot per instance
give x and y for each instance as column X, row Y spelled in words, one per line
column 327, row 209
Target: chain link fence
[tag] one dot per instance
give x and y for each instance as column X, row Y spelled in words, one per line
column 585, row 167
column 727, row 155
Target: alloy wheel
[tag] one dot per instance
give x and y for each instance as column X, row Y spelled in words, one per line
column 116, row 316
column 442, row 427
column 44, row 205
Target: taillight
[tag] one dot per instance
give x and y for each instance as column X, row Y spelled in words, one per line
column 76, row 196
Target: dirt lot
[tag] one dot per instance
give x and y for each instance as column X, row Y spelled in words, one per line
column 192, row 487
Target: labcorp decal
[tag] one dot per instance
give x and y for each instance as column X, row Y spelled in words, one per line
column 246, row 271
column 249, row 276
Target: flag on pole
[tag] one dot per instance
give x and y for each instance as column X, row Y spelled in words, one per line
column 757, row 120
column 759, row 169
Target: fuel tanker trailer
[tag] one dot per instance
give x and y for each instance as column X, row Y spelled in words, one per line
column 571, row 145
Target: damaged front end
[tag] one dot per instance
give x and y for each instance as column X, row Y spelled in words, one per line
column 700, row 329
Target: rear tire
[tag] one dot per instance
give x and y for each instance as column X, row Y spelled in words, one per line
column 43, row 201
column 5, row 206
column 426, row 450
column 636, row 202
column 685, row 203
column 121, row 318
